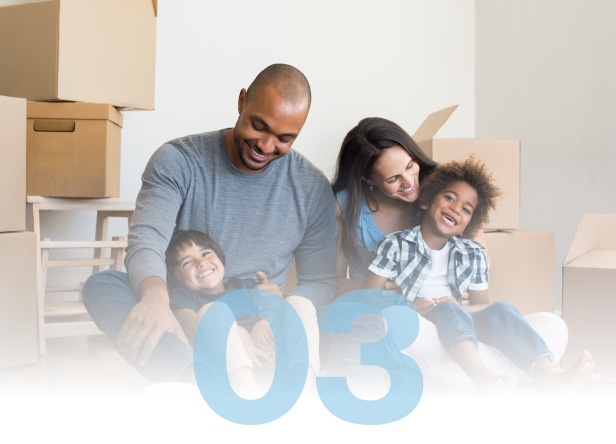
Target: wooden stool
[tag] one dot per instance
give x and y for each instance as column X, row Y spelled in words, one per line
column 105, row 208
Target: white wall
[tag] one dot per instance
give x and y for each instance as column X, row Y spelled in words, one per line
column 546, row 73
column 395, row 59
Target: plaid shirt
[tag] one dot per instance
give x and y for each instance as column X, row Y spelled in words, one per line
column 403, row 255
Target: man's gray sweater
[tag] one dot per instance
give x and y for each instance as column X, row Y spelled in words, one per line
column 260, row 220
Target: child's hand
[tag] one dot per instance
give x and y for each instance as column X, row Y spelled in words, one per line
column 424, row 306
column 445, row 299
column 265, row 285
column 263, row 338
column 253, row 352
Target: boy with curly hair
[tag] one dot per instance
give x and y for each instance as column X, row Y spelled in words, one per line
column 437, row 261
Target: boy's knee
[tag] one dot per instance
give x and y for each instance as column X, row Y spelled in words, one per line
column 452, row 308
column 501, row 308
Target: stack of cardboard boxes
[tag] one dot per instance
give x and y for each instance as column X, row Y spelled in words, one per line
column 99, row 53
column 521, row 261
column 589, row 294
column 66, row 68
column 17, row 247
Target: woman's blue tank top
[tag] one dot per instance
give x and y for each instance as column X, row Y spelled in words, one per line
column 368, row 235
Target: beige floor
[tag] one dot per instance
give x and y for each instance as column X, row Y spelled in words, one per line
column 79, row 365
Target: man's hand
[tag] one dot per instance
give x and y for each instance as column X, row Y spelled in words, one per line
column 265, row 285
column 147, row 322
column 263, row 337
column 253, row 352
column 465, row 300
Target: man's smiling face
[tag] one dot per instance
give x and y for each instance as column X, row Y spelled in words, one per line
column 265, row 130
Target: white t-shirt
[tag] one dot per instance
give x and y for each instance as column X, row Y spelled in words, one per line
column 436, row 283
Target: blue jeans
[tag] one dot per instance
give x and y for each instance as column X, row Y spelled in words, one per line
column 499, row 325
column 109, row 298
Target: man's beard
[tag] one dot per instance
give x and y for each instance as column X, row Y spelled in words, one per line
column 243, row 159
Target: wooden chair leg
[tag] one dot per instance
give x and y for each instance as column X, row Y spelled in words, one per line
column 117, row 254
column 42, row 284
column 102, row 222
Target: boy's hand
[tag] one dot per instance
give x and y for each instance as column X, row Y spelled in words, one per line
column 253, row 352
column 445, row 299
column 263, row 338
column 423, row 306
column 265, row 285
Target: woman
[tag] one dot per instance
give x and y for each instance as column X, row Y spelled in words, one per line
column 377, row 180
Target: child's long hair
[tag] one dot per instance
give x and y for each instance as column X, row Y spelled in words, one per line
column 184, row 239
column 474, row 173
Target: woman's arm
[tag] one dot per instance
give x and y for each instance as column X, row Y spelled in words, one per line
column 479, row 299
column 189, row 321
column 375, row 281
column 344, row 284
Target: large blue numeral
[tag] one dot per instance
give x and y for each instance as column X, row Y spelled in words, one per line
column 406, row 378
column 210, row 357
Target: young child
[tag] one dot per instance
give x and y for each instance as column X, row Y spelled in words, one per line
column 195, row 272
column 435, row 262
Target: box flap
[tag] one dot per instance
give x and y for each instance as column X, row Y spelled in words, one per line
column 595, row 232
column 155, row 3
column 74, row 111
column 432, row 124
column 605, row 259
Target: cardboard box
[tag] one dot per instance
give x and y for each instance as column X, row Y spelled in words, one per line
column 522, row 269
column 589, row 294
column 73, row 150
column 502, row 158
column 18, row 333
column 13, row 171
column 100, row 51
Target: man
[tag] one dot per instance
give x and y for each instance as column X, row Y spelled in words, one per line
column 263, row 202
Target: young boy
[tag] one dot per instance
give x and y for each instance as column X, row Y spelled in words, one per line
column 435, row 262
column 195, row 272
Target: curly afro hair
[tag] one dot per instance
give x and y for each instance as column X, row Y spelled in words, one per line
column 470, row 171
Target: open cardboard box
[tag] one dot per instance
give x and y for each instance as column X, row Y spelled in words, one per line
column 522, row 269
column 13, row 155
column 73, row 150
column 589, row 294
column 502, row 158
column 18, row 329
column 100, row 51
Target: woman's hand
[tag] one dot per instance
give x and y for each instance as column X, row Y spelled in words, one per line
column 265, row 285
column 253, row 352
column 263, row 338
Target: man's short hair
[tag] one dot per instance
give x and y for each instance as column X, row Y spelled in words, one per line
column 288, row 82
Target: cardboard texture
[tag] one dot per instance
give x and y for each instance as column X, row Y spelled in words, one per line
column 502, row 158
column 13, row 155
column 73, row 150
column 522, row 269
column 18, row 333
column 589, row 294
column 100, row 51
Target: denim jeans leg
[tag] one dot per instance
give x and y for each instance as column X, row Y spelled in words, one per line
column 502, row 326
column 453, row 324
column 109, row 298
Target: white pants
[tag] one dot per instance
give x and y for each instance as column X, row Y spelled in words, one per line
column 437, row 366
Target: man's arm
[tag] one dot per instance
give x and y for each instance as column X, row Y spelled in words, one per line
column 315, row 257
column 164, row 184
